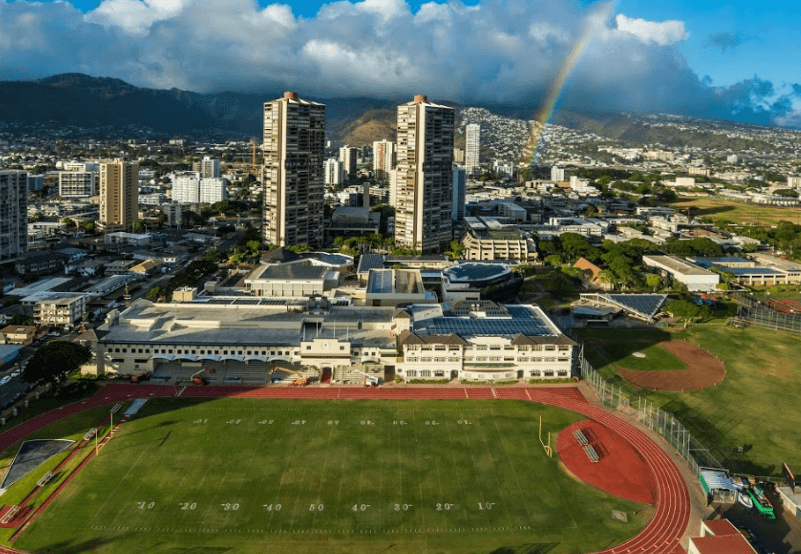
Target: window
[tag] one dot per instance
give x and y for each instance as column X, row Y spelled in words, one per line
column 535, row 373
column 548, row 373
column 439, row 373
column 562, row 373
column 411, row 373
column 425, row 373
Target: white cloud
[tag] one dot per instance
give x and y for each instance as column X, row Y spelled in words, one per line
column 499, row 50
column 663, row 33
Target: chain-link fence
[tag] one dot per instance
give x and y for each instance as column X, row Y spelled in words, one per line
column 778, row 312
column 651, row 415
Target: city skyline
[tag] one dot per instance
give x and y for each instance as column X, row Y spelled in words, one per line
column 725, row 60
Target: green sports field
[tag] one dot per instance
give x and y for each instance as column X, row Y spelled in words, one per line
column 303, row 476
column 654, row 357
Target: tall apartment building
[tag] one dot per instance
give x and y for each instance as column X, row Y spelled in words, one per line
column 119, row 194
column 557, row 174
column 459, row 193
column 383, row 159
column 424, row 189
column 333, row 172
column 472, row 148
column 13, row 214
column 190, row 188
column 794, row 182
column 77, row 184
column 208, row 167
column 348, row 156
column 294, row 145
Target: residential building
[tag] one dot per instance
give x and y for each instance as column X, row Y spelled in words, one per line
column 185, row 187
column 192, row 188
column 424, row 189
column 62, row 309
column 348, row 155
column 383, row 159
column 794, row 182
column 119, row 194
column 459, row 193
column 294, row 144
column 557, row 174
column 472, row 148
column 19, row 334
column 208, row 167
column 76, row 184
column 13, row 214
column 458, row 155
column 333, row 172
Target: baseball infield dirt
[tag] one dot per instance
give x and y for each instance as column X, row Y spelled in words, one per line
column 703, row 370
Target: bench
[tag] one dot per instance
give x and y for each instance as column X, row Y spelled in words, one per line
column 580, row 437
column 45, row 479
column 591, row 453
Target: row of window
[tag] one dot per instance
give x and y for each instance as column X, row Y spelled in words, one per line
column 201, row 352
column 483, row 347
column 469, row 359
column 509, row 375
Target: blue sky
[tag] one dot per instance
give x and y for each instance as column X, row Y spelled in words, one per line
column 722, row 58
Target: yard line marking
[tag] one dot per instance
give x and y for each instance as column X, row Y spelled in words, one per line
column 527, row 394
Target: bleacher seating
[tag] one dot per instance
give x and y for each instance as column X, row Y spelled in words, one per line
column 580, row 437
column 591, row 453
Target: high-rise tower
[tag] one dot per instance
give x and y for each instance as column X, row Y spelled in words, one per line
column 472, row 148
column 13, row 214
column 424, row 189
column 383, row 159
column 119, row 194
column 294, row 144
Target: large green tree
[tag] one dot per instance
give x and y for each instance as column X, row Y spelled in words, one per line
column 55, row 359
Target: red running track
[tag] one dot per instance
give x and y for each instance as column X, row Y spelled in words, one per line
column 660, row 536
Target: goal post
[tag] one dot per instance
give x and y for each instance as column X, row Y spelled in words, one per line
column 547, row 447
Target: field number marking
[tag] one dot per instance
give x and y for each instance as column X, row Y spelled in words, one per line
column 299, row 422
column 146, row 505
column 398, row 422
column 229, row 507
column 445, row 506
column 486, row 505
column 271, row 507
column 266, row 422
column 234, row 421
column 463, row 422
column 367, row 422
column 404, row 507
column 316, row 507
column 432, row 422
column 201, row 421
column 360, row 507
column 187, row 505
column 333, row 422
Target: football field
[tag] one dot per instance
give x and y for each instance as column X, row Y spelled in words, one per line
column 298, row 476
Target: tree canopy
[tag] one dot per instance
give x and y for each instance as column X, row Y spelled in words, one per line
column 54, row 359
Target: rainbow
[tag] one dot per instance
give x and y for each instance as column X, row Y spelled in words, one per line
column 594, row 21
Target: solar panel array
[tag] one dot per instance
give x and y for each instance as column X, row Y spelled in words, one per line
column 523, row 321
column 468, row 327
column 646, row 304
column 245, row 301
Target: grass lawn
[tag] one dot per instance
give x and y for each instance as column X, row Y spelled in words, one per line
column 755, row 408
column 303, row 476
column 656, row 357
column 718, row 208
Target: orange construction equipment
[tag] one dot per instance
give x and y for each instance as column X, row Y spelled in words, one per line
column 300, row 381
